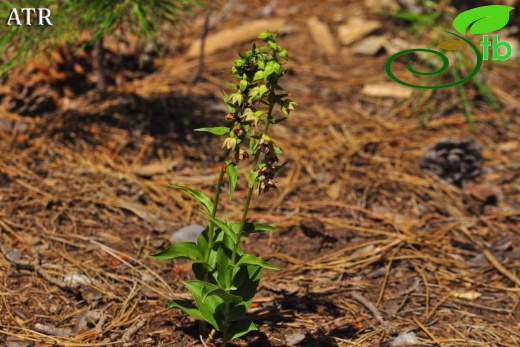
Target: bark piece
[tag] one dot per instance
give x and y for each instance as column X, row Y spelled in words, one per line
column 322, row 36
column 355, row 29
column 230, row 37
column 389, row 90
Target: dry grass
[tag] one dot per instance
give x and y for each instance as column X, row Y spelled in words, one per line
column 411, row 252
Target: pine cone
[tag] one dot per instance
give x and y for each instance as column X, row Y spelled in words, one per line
column 455, row 161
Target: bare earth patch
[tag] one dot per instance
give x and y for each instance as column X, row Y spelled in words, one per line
column 372, row 245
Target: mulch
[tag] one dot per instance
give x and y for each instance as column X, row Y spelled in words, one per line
column 372, row 246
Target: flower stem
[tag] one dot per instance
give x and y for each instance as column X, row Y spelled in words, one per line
column 250, row 191
column 211, row 225
column 211, row 233
column 243, row 222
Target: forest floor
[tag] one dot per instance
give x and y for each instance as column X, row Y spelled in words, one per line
column 373, row 247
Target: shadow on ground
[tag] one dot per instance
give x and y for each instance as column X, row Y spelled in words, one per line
column 168, row 116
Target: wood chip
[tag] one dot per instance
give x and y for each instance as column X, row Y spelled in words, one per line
column 389, row 90
column 370, row 45
column 468, row 295
column 322, row 36
column 225, row 39
column 50, row 330
column 334, row 190
column 356, row 29
column 158, row 167
column 508, row 147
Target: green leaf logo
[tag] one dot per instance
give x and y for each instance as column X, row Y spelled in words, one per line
column 482, row 20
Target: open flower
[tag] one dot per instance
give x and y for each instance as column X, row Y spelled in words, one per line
column 241, row 154
column 230, row 117
column 265, row 179
column 267, row 148
column 230, row 143
column 238, row 130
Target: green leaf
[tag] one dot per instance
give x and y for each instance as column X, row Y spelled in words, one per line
column 199, row 196
column 180, row 250
column 200, row 271
column 268, row 70
column 252, row 144
column 215, row 130
column 483, row 19
column 252, row 178
column 211, row 308
column 203, row 241
column 287, row 106
column 246, row 280
column 264, row 35
column 284, row 54
column 254, row 94
column 278, row 167
column 224, row 254
column 277, row 68
column 188, row 307
column 210, row 289
column 229, row 242
column 222, row 225
column 258, row 75
column 202, row 244
column 237, row 98
column 277, row 120
column 240, row 328
column 238, row 311
column 251, row 259
column 273, row 45
column 243, row 85
column 232, row 172
column 250, row 228
column 263, row 90
column 277, row 87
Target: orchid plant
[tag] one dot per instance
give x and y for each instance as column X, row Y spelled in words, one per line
column 226, row 277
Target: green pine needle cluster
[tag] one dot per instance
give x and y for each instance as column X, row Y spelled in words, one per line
column 145, row 19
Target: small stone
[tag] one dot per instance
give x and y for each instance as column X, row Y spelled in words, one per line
column 405, row 339
column 76, row 280
column 294, row 339
column 187, row 234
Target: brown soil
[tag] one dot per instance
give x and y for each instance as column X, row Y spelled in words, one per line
column 372, row 246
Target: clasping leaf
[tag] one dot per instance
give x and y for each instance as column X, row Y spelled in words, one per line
column 199, row 196
column 180, row 250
